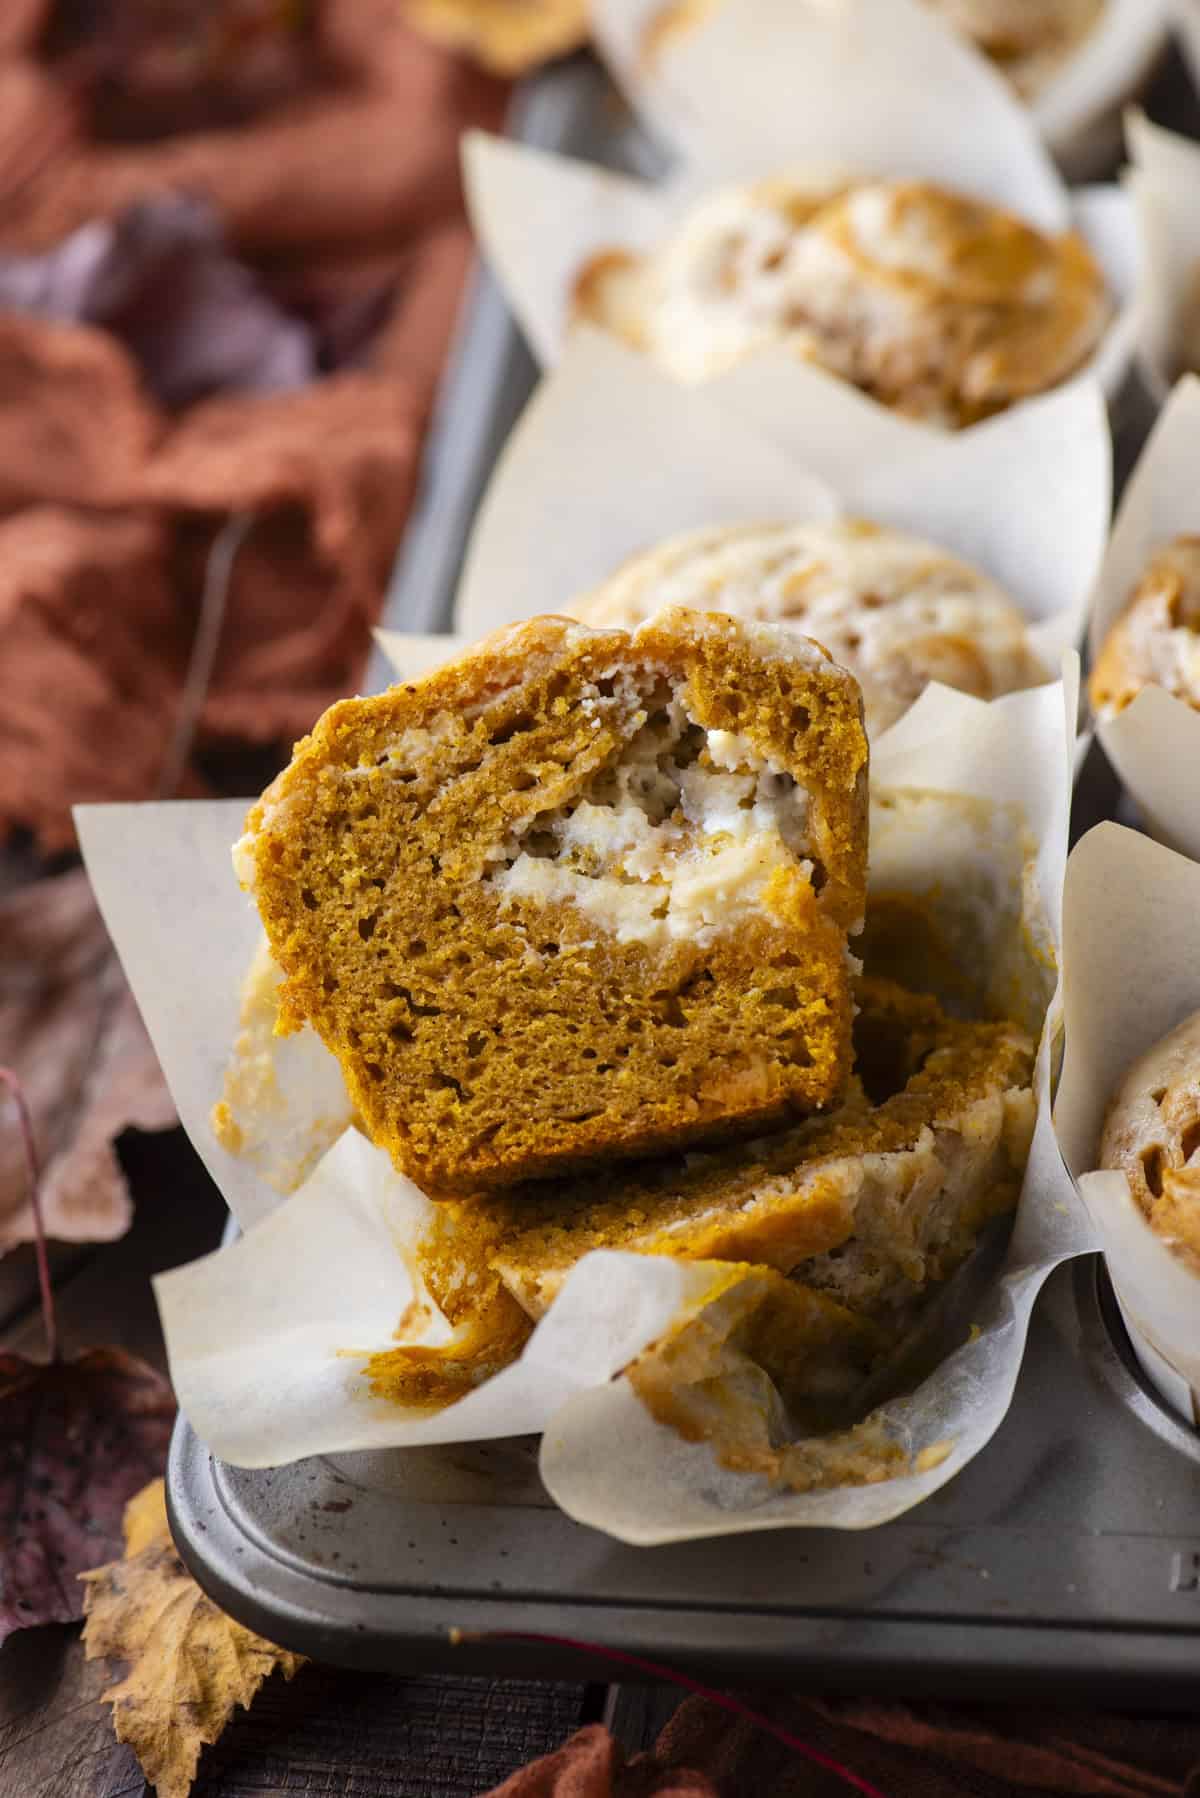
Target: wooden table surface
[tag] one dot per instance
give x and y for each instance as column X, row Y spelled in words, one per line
column 343, row 1735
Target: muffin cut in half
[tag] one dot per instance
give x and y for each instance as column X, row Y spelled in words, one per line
column 576, row 894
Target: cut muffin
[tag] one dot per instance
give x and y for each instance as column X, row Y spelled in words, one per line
column 1156, row 640
column 1152, row 1136
column 870, row 1205
column 897, row 611
column 575, row 895
column 940, row 306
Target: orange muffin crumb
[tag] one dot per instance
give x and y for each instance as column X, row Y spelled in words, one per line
column 576, row 895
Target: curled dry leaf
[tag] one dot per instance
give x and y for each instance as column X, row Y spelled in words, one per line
column 77, row 1438
column 190, row 1665
column 70, row 1029
column 507, row 37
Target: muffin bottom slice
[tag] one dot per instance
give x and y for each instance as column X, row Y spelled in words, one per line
column 872, row 1205
column 578, row 894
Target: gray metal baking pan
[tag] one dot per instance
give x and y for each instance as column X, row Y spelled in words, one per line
column 1063, row 1564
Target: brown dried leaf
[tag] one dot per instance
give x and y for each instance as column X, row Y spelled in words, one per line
column 507, row 37
column 76, row 1439
column 70, row 1030
column 190, row 1665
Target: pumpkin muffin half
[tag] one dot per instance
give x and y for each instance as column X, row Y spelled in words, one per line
column 577, row 894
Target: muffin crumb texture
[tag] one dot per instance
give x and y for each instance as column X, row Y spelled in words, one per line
column 575, row 895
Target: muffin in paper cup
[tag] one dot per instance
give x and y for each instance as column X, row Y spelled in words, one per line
column 625, row 460
column 1162, row 180
column 275, row 1342
column 565, row 238
column 1131, row 976
column 1142, row 636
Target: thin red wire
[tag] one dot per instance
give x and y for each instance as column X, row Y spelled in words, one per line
column 657, row 1671
column 9, row 1079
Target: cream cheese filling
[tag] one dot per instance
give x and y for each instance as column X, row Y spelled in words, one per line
column 678, row 842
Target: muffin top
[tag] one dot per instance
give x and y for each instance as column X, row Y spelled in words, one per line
column 942, row 307
column 897, row 611
column 1152, row 1136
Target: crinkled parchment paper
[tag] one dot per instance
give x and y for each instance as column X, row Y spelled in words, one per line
column 1131, row 973
column 541, row 218
column 1154, row 744
column 1162, row 181
column 706, row 81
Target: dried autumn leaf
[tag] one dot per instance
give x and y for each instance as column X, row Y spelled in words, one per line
column 508, row 37
column 76, row 1439
column 190, row 1665
column 70, row 1029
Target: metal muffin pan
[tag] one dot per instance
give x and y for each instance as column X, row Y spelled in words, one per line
column 1062, row 1564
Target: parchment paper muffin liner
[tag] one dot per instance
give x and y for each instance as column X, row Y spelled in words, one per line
column 1154, row 744
column 1131, row 973
column 611, row 457
column 542, row 218
column 709, row 76
column 1162, row 181
column 267, row 1338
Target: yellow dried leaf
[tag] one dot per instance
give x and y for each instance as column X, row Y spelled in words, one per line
column 190, row 1665
column 509, row 37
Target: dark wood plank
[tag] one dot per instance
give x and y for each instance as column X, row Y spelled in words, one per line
column 344, row 1735
column 105, row 1296
column 348, row 1735
column 637, row 1715
column 56, row 1738
column 19, row 1282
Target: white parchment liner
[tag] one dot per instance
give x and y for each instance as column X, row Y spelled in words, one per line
column 1131, row 973
column 1154, row 744
column 1163, row 181
column 707, row 82
column 541, row 218
column 266, row 1337
column 611, row 457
